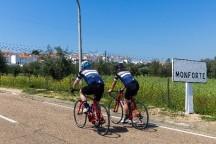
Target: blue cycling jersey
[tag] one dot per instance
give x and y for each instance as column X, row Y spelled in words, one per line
column 125, row 77
column 91, row 77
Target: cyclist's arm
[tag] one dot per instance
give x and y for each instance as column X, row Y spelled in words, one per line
column 113, row 85
column 122, row 89
column 75, row 83
column 79, row 77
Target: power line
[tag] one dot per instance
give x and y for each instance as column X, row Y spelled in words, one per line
column 19, row 47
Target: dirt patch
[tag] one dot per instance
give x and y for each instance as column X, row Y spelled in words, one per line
column 182, row 120
column 6, row 90
column 178, row 116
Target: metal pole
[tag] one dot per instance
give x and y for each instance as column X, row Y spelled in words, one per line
column 188, row 98
column 79, row 34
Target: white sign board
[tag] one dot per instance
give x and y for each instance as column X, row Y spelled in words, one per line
column 189, row 71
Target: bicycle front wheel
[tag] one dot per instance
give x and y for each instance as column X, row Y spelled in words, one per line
column 103, row 121
column 79, row 116
column 140, row 117
column 116, row 111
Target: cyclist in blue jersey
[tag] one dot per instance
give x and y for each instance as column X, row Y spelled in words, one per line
column 130, row 84
column 95, row 84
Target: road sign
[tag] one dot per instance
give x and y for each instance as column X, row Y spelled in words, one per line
column 189, row 71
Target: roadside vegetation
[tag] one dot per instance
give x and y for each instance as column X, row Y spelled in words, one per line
column 52, row 76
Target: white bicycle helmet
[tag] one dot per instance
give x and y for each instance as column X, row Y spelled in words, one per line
column 85, row 65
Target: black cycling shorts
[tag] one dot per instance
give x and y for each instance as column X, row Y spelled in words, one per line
column 96, row 90
column 131, row 90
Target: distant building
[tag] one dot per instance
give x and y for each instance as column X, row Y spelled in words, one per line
column 24, row 58
column 20, row 59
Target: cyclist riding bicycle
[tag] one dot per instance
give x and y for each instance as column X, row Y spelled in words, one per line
column 95, row 84
column 130, row 84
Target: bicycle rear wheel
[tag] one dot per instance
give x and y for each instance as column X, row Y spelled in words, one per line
column 79, row 116
column 103, row 123
column 140, row 121
column 116, row 111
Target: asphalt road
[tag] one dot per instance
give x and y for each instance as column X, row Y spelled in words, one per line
column 24, row 120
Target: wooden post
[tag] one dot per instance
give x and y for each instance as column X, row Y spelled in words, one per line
column 168, row 92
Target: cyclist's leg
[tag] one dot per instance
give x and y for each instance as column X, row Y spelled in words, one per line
column 126, row 109
column 103, row 120
column 87, row 90
column 82, row 94
column 130, row 93
column 134, row 91
column 98, row 93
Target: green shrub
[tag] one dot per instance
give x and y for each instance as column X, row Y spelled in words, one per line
column 153, row 90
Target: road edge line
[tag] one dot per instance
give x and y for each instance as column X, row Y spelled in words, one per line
column 188, row 132
column 8, row 119
column 164, row 127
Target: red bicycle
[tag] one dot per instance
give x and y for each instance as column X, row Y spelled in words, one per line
column 98, row 115
column 138, row 113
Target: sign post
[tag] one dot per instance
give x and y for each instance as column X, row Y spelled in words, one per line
column 189, row 71
column 188, row 98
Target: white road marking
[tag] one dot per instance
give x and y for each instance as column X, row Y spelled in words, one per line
column 164, row 127
column 8, row 119
column 188, row 132
column 58, row 105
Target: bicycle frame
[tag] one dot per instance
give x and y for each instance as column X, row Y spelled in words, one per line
column 93, row 108
column 131, row 107
column 139, row 116
column 118, row 100
column 98, row 115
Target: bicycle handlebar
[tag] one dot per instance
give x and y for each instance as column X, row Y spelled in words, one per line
column 74, row 90
column 115, row 91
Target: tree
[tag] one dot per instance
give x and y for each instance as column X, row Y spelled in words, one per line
column 166, row 69
column 3, row 66
column 58, row 68
column 212, row 69
column 14, row 69
column 134, row 69
column 144, row 70
column 36, row 52
column 59, row 51
column 104, row 68
column 49, row 51
column 33, row 68
column 155, row 68
column 57, row 65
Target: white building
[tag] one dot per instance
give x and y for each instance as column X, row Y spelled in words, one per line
column 21, row 59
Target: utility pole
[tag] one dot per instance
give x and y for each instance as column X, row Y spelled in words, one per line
column 79, row 34
column 105, row 55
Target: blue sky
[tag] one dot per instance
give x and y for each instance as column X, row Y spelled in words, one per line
column 150, row 29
